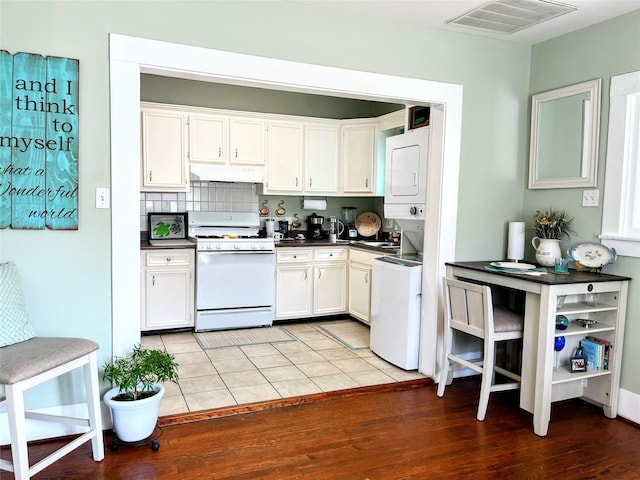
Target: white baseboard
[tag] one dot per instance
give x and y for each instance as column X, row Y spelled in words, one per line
column 629, row 405
column 39, row 429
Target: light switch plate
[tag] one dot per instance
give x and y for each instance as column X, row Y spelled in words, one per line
column 590, row 198
column 102, row 198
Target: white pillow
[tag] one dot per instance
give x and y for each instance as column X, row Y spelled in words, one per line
column 14, row 321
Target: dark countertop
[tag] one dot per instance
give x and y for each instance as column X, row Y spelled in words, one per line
column 550, row 278
column 145, row 245
column 290, row 242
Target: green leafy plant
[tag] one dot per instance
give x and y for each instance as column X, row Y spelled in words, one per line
column 135, row 374
column 552, row 223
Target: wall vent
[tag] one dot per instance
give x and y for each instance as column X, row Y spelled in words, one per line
column 510, row 16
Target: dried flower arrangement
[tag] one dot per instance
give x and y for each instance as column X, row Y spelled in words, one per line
column 552, row 223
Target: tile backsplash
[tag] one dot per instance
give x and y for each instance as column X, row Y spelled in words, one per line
column 203, row 196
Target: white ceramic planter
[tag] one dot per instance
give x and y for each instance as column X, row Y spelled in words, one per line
column 134, row 421
column 547, row 250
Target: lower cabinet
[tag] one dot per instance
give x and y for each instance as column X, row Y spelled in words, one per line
column 167, row 286
column 360, row 271
column 311, row 281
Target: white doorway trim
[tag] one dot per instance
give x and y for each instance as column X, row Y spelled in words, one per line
column 130, row 56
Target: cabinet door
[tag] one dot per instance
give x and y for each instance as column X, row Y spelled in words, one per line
column 360, row 291
column 293, row 291
column 247, row 141
column 208, row 137
column 358, row 160
column 164, row 165
column 321, row 158
column 284, row 157
column 330, row 287
column 169, row 302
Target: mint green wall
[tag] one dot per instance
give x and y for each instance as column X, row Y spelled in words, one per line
column 601, row 51
column 67, row 275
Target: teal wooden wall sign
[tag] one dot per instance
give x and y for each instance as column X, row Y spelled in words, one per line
column 38, row 142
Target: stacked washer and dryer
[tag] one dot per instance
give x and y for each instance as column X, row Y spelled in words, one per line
column 397, row 280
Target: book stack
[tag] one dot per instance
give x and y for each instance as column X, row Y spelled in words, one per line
column 597, row 352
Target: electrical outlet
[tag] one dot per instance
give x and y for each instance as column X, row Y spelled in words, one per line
column 389, row 223
column 590, row 198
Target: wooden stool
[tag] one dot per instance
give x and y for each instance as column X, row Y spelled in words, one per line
column 469, row 309
column 29, row 363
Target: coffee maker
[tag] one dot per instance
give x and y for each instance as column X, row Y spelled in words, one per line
column 349, row 214
column 314, row 226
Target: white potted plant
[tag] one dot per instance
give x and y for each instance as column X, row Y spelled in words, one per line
column 135, row 399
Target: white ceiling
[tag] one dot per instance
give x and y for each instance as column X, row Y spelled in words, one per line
column 434, row 14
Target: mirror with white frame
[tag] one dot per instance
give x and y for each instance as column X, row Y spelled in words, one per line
column 565, row 127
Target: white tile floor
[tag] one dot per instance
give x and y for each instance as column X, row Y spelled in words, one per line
column 229, row 376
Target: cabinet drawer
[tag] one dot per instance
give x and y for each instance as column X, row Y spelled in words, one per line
column 366, row 258
column 292, row 255
column 330, row 254
column 163, row 258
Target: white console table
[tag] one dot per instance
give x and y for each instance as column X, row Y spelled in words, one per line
column 541, row 382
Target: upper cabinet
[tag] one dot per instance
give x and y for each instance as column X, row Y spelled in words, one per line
column 164, row 160
column 247, row 141
column 321, row 158
column 302, row 157
column 284, row 157
column 222, row 140
column 358, row 159
column 208, row 139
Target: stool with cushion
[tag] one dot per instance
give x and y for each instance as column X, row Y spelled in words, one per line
column 469, row 309
column 26, row 361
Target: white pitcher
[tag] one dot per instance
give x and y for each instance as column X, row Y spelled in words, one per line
column 547, row 250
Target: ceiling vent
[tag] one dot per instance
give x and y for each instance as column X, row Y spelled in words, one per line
column 510, row 16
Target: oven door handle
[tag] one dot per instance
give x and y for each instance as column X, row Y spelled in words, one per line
column 236, row 252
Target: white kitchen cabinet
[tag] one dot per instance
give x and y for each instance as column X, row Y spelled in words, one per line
column 226, row 140
column 285, row 157
column 358, row 158
column 167, row 278
column 294, row 291
column 164, row 157
column 310, row 281
column 321, row 158
column 208, row 139
column 247, row 141
column 302, row 158
column 360, row 271
column 330, row 280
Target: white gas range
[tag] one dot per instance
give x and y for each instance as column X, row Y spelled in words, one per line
column 234, row 271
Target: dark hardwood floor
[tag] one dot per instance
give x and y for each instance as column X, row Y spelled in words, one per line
column 403, row 434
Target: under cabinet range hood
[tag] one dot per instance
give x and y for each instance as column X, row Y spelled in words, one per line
column 226, row 173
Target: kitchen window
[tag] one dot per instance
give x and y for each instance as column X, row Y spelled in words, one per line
column 621, row 207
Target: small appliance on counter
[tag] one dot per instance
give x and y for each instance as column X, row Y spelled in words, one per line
column 314, row 226
column 270, row 226
column 333, row 229
column 283, row 228
column 349, row 214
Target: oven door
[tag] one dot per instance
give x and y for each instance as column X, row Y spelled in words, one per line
column 234, row 280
